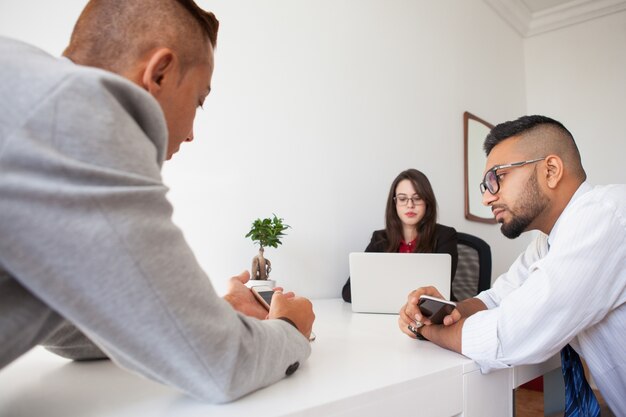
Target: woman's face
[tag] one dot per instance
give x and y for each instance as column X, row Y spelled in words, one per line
column 409, row 205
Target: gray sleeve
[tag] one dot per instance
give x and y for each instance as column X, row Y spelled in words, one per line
column 69, row 342
column 92, row 237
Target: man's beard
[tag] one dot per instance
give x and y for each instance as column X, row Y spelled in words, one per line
column 531, row 203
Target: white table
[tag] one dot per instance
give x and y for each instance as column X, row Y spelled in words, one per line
column 361, row 365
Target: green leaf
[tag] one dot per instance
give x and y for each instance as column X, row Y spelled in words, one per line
column 267, row 232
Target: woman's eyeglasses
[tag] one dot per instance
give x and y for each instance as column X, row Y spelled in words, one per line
column 403, row 200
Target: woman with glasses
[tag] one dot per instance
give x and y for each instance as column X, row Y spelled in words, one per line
column 411, row 223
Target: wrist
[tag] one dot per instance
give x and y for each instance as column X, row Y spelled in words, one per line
column 470, row 306
column 230, row 300
column 448, row 337
column 288, row 321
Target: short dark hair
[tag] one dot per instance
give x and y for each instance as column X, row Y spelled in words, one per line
column 206, row 20
column 114, row 34
column 517, row 127
column 540, row 136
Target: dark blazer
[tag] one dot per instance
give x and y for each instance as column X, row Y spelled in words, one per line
column 445, row 242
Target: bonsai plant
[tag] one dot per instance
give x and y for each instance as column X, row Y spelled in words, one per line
column 265, row 232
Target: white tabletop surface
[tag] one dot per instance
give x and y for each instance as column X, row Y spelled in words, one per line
column 361, row 364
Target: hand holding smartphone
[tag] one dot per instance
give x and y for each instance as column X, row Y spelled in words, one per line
column 435, row 309
column 263, row 294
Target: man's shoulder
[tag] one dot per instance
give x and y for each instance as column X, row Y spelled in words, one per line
column 612, row 191
column 32, row 72
column 26, row 71
column 611, row 196
column 592, row 208
column 49, row 92
column 14, row 50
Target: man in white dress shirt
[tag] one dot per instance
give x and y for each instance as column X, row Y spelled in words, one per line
column 568, row 287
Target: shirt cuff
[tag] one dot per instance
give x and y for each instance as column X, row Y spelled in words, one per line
column 486, row 299
column 480, row 340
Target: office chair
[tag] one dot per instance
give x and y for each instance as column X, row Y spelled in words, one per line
column 473, row 272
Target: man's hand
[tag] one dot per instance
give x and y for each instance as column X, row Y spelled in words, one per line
column 449, row 335
column 241, row 298
column 410, row 314
column 297, row 309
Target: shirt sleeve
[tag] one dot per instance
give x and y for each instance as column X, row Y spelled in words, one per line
column 543, row 302
column 517, row 273
column 92, row 237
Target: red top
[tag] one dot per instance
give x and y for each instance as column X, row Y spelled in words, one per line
column 407, row 247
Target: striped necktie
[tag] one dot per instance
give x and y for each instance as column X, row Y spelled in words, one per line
column 579, row 398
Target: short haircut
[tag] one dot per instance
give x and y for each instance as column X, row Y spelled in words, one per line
column 114, row 34
column 539, row 136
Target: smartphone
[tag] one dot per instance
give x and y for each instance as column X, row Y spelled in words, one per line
column 263, row 294
column 435, row 309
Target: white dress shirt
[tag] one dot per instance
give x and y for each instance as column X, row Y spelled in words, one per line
column 574, row 293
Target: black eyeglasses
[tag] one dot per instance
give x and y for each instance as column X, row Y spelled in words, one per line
column 403, row 199
column 491, row 182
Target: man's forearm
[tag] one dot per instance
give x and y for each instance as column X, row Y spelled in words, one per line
column 451, row 336
column 470, row 306
column 448, row 337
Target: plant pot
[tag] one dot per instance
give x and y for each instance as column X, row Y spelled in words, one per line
column 256, row 282
column 261, row 267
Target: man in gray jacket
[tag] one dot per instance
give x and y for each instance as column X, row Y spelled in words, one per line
column 86, row 236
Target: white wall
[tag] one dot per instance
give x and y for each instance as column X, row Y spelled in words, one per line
column 577, row 75
column 316, row 107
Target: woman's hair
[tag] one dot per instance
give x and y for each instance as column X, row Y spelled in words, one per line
column 426, row 226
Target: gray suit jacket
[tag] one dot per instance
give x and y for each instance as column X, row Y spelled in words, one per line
column 86, row 236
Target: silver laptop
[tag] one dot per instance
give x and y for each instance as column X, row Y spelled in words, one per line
column 381, row 282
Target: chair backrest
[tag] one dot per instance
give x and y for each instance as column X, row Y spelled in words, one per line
column 473, row 272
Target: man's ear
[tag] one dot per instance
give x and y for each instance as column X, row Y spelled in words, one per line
column 554, row 171
column 159, row 68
